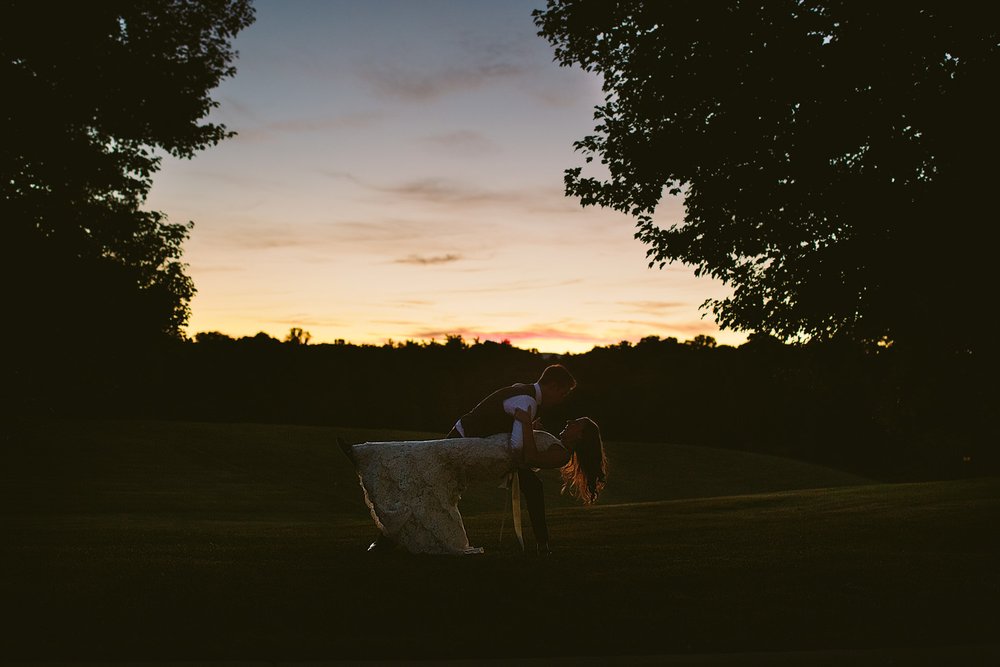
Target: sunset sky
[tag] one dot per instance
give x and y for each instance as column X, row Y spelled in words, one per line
column 398, row 175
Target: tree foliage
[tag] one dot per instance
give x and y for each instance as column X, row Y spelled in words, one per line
column 836, row 159
column 94, row 95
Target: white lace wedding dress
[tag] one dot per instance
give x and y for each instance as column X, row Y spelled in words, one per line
column 413, row 487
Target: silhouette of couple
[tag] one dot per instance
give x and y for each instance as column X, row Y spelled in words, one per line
column 412, row 488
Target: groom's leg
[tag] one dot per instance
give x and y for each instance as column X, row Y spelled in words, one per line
column 531, row 489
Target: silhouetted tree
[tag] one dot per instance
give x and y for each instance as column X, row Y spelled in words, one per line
column 297, row 336
column 703, row 341
column 261, row 340
column 94, row 94
column 837, row 159
column 213, row 338
column 455, row 342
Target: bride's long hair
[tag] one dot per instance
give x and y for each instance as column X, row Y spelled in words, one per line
column 587, row 471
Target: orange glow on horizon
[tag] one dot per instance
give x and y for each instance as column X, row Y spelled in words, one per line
column 548, row 342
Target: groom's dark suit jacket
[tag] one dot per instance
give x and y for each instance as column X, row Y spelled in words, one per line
column 488, row 418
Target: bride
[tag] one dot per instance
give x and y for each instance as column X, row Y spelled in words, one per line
column 412, row 488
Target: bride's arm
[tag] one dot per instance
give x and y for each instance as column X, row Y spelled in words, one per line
column 553, row 457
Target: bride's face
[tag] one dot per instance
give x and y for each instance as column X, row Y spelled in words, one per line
column 572, row 432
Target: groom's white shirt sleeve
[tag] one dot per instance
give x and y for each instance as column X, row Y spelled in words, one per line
column 529, row 405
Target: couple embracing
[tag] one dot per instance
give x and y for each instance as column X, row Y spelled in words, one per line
column 413, row 488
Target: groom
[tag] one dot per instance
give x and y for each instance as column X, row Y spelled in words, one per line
column 495, row 414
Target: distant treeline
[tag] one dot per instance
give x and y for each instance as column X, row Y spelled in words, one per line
column 884, row 412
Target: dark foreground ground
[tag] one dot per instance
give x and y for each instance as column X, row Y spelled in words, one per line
column 158, row 541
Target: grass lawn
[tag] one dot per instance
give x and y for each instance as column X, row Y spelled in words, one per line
column 143, row 540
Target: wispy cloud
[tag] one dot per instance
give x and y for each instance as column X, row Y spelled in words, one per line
column 465, row 143
column 688, row 327
column 305, row 321
column 653, row 306
column 559, row 98
column 237, row 106
column 452, row 193
column 427, row 261
column 457, row 194
column 389, row 232
column 443, row 191
column 391, row 237
column 514, row 287
column 496, row 46
column 413, row 85
column 264, row 237
column 564, row 91
column 271, row 129
column 396, row 323
column 534, row 333
column 694, row 327
column 429, row 189
column 199, row 268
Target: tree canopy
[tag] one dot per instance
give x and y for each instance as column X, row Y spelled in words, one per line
column 836, row 159
column 94, row 95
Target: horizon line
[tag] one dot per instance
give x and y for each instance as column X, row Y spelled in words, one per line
column 477, row 340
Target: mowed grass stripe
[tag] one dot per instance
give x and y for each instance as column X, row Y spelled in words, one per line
column 267, row 469
column 189, row 541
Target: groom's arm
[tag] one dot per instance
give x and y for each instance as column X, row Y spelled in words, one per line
column 511, row 406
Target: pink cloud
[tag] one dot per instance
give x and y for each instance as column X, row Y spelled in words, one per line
column 540, row 333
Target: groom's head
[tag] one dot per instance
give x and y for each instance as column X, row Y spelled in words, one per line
column 556, row 383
